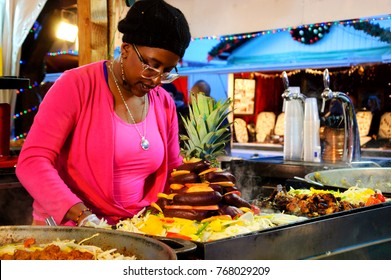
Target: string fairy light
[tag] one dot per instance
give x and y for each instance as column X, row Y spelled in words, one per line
column 73, row 52
column 273, row 31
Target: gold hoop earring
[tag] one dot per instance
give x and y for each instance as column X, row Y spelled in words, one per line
column 123, row 73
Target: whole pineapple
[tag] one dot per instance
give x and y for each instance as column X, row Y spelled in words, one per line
column 207, row 134
column 199, row 189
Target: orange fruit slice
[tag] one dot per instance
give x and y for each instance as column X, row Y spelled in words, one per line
column 191, row 160
column 171, row 195
column 199, row 189
column 176, row 186
column 162, row 195
column 179, row 172
column 212, row 169
column 225, row 184
column 157, row 207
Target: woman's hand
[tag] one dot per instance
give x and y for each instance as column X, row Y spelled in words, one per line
column 90, row 221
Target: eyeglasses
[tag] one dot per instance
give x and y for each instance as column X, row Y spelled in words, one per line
column 151, row 73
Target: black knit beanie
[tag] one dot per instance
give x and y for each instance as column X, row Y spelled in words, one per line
column 156, row 24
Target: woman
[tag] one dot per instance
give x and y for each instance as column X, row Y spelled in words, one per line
column 106, row 135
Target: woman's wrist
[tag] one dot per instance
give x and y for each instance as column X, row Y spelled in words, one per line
column 85, row 212
column 78, row 212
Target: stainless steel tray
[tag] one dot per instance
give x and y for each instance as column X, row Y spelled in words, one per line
column 375, row 178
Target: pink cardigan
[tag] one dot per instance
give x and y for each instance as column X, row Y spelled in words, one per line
column 68, row 154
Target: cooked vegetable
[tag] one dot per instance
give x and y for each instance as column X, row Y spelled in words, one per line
column 213, row 228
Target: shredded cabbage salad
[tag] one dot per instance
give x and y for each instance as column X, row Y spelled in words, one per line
column 214, row 228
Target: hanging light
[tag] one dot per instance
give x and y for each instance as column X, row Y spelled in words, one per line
column 67, row 29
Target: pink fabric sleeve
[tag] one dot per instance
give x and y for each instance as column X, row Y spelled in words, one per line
column 36, row 164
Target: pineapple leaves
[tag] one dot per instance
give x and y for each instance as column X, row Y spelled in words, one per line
column 206, row 135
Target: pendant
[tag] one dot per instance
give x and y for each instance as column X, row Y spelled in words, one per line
column 144, row 144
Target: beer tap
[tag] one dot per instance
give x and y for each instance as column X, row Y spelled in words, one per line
column 288, row 94
column 352, row 150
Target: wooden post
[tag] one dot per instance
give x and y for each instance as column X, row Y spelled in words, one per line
column 93, row 30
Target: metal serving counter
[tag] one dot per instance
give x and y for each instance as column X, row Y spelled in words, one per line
column 257, row 174
column 259, row 167
column 363, row 233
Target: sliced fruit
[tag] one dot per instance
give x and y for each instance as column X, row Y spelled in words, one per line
column 235, row 192
column 171, row 196
column 212, row 169
column 218, row 217
column 190, row 207
column 176, row 186
column 200, row 187
column 177, row 235
column 191, row 160
column 167, row 220
column 153, row 226
column 225, row 184
column 183, row 221
column 157, row 207
column 245, row 209
column 192, row 185
column 162, row 195
column 179, row 172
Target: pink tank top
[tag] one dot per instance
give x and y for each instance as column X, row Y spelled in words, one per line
column 132, row 164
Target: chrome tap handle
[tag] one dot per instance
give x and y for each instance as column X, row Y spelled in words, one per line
column 327, row 93
column 326, row 78
column 285, row 80
column 286, row 95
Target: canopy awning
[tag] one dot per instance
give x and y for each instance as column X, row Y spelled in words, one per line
column 225, row 17
column 342, row 46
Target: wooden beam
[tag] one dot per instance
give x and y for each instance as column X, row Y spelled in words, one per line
column 93, row 30
column 84, row 24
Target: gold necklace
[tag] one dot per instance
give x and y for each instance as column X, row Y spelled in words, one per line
column 144, row 142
